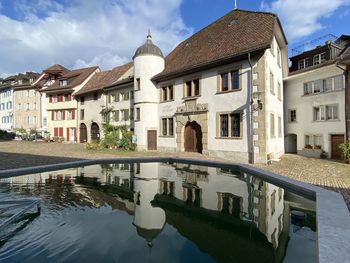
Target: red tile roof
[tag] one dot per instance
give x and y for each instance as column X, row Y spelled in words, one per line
column 104, row 79
column 234, row 34
column 56, row 68
column 75, row 77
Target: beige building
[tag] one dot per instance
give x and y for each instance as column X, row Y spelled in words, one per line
column 60, row 104
column 92, row 100
column 27, row 108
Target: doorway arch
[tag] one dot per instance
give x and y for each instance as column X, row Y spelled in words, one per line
column 193, row 137
column 95, row 132
column 82, row 133
column 290, row 143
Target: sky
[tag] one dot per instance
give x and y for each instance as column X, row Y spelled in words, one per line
column 35, row 34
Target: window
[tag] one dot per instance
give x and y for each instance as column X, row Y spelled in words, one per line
column 304, row 63
column 138, row 84
column 82, row 100
column 63, row 82
column 167, row 125
column 307, row 141
column 278, row 57
column 272, row 84
column 307, row 88
column 338, row 82
column 164, row 126
column 272, row 125
column 224, row 82
column 318, row 86
column 138, row 114
column 230, row 125
column 132, row 94
column 224, row 125
column 324, row 85
column 82, row 114
column 9, row 105
column 19, row 107
column 125, row 115
column 318, row 142
column 125, row 95
column 167, row 93
column 326, row 112
column 279, row 91
column 192, row 88
column 319, row 58
column 188, row 89
column 95, row 96
column 34, row 106
column 34, row 120
column 279, row 126
column 229, row 81
column 292, row 115
column 331, row 112
column 116, row 116
column 235, row 125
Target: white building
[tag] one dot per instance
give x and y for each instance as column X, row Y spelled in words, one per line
column 6, row 108
column 315, row 101
column 219, row 93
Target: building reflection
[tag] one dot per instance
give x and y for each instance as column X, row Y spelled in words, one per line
column 223, row 211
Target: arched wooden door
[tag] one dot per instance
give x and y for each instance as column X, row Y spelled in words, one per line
column 95, row 132
column 82, row 133
column 193, row 137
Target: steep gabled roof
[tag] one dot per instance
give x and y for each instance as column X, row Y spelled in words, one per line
column 75, row 77
column 104, row 78
column 234, row 34
column 56, row 68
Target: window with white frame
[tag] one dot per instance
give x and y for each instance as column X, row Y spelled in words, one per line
column 304, row 63
column 319, row 58
column 167, row 126
column 326, row 112
column 324, row 85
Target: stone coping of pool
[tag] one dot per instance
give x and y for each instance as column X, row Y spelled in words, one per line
column 333, row 217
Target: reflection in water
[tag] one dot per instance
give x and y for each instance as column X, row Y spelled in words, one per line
column 181, row 212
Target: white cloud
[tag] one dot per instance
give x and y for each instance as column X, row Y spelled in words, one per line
column 85, row 32
column 302, row 18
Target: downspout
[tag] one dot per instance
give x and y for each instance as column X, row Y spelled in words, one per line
column 251, row 101
column 347, row 95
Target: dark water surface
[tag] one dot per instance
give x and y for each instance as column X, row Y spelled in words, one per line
column 156, row 212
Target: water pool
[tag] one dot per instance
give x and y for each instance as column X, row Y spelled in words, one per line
column 157, row 212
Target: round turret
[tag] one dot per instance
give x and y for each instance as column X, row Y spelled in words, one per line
column 148, row 48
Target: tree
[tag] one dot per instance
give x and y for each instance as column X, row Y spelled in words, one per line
column 345, row 150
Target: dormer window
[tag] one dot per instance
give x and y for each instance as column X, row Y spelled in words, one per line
column 20, row 82
column 304, row 63
column 320, row 58
column 63, row 83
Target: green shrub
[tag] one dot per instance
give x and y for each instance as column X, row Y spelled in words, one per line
column 345, row 150
column 92, row 146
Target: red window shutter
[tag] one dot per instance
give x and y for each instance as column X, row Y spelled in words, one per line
column 69, row 97
column 63, row 114
column 67, row 134
column 55, row 132
column 73, row 114
column 60, row 98
column 75, row 134
column 61, row 132
column 50, row 100
column 52, row 115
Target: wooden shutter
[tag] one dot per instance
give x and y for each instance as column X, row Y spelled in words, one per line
column 67, row 134
column 69, row 97
column 52, row 115
column 63, row 114
column 73, row 114
column 61, row 132
column 50, row 99
column 55, row 132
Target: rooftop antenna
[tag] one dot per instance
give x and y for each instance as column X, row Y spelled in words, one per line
column 149, row 36
column 235, row 4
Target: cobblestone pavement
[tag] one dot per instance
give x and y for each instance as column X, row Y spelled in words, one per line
column 328, row 174
column 324, row 173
